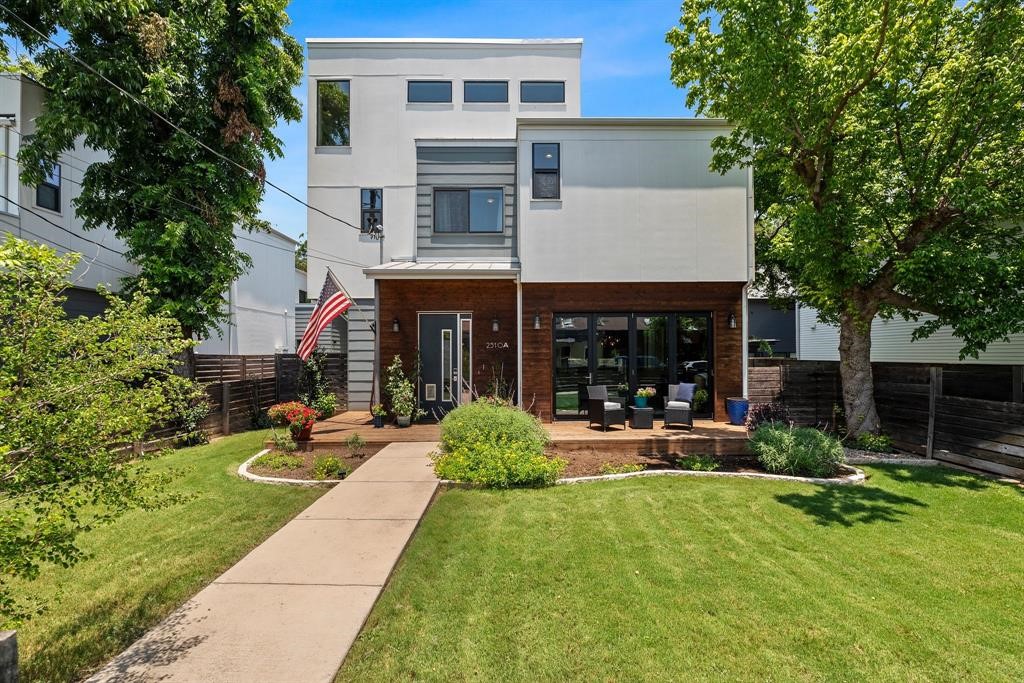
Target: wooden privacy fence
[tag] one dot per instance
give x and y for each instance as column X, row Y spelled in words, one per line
column 240, row 387
column 966, row 414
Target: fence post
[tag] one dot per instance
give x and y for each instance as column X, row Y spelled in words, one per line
column 245, row 373
column 225, row 408
column 8, row 657
column 934, row 391
column 277, row 378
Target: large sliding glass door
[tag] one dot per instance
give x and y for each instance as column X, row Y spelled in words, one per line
column 627, row 351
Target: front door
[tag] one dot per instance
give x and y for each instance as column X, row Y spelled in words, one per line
column 444, row 351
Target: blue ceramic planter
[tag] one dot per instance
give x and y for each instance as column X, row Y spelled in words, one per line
column 640, row 401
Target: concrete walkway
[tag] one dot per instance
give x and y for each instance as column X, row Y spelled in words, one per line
column 290, row 610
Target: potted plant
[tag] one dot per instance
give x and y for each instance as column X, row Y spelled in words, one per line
column 297, row 416
column 642, row 394
column 403, row 402
column 378, row 412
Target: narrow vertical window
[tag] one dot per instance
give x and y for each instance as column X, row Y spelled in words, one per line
column 546, row 170
column 48, row 191
column 332, row 114
column 446, row 365
column 372, row 211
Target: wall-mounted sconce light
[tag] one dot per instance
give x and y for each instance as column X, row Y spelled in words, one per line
column 536, row 321
column 732, row 321
column 395, row 327
column 495, row 325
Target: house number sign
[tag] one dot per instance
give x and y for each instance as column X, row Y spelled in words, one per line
column 497, row 345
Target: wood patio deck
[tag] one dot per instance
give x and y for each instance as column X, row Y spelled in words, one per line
column 707, row 437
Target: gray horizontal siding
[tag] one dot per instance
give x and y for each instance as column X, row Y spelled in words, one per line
column 455, row 167
column 360, row 354
column 334, row 337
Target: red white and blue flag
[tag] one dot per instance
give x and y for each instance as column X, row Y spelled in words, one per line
column 332, row 302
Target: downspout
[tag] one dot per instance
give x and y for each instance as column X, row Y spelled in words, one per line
column 519, row 342
column 745, row 346
column 750, row 276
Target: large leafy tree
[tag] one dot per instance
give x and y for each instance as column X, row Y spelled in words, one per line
column 222, row 71
column 891, row 134
column 73, row 392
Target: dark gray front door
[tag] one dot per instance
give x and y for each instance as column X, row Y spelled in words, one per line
column 440, row 354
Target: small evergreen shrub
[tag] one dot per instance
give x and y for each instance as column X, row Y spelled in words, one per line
column 800, row 451
column 698, row 463
column 329, row 467
column 494, row 445
column 876, row 443
column 609, row 468
column 278, row 461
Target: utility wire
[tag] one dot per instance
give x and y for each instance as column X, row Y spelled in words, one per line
column 170, row 123
column 61, row 227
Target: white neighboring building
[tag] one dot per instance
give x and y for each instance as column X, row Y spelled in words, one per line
column 261, row 304
column 47, row 215
column 891, row 343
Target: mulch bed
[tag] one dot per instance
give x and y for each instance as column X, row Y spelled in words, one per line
column 306, row 471
column 586, row 463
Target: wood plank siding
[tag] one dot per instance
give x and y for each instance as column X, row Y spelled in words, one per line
column 545, row 299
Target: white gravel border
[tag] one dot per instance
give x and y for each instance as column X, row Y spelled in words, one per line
column 244, row 473
column 855, row 477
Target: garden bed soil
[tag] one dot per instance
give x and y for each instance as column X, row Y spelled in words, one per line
column 306, row 471
column 588, row 464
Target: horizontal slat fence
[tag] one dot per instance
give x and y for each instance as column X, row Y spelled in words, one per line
column 972, row 415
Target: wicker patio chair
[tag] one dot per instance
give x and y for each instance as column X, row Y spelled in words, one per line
column 678, row 404
column 602, row 411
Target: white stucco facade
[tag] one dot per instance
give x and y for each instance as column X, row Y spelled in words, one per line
column 103, row 261
column 891, row 343
column 261, row 303
column 385, row 128
column 637, row 204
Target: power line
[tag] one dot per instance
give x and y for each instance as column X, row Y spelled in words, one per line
column 170, row 123
column 61, row 227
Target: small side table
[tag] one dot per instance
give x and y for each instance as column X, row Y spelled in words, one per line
column 641, row 418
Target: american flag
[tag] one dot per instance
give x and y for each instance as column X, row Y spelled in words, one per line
column 332, row 303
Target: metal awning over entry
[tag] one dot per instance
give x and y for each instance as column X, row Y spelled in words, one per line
column 444, row 270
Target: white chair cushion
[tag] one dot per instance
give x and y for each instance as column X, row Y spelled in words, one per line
column 608, row 405
column 677, row 404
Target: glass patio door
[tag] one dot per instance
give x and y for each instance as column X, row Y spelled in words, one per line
column 693, row 357
column 611, row 355
column 652, row 357
column 572, row 364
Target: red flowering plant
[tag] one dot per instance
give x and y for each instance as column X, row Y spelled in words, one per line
column 297, row 416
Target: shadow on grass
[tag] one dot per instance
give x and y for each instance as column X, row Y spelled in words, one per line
column 850, row 505
column 936, row 476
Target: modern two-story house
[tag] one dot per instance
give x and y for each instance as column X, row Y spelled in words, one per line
column 525, row 249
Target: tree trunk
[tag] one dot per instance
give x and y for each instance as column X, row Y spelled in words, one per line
column 855, row 371
column 187, row 358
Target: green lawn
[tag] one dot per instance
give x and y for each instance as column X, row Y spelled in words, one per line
column 147, row 563
column 918, row 575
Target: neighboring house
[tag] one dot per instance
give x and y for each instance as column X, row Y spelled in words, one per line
column 771, row 325
column 891, row 343
column 261, row 304
column 526, row 249
column 45, row 213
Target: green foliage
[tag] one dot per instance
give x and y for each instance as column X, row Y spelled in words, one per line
column 698, row 463
column 886, row 140
column 377, row 410
column 646, row 392
column 608, row 468
column 355, row 445
column 401, row 390
column 800, row 451
column 325, row 405
column 494, row 445
column 284, row 442
column 313, row 383
column 333, row 110
column 223, row 71
column 700, row 399
column 190, row 406
column 302, row 254
column 72, row 392
column 877, row 443
column 329, row 467
column 279, row 461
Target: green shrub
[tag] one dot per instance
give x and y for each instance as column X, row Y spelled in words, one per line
column 279, row 461
column 329, row 467
column 876, row 443
column 325, row 405
column 494, row 445
column 802, row 451
column 284, row 442
column 355, row 445
column 609, row 468
column 698, row 463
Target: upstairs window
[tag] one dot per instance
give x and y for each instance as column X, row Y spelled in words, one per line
column 430, row 91
column 485, row 91
column 544, row 92
column 546, row 170
column 48, row 192
column 332, row 114
column 469, row 210
column 372, row 211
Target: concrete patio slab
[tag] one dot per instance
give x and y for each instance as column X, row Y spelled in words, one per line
column 289, row 611
column 242, row 633
column 375, row 500
column 336, row 552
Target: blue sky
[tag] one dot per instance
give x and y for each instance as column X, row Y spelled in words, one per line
column 625, row 58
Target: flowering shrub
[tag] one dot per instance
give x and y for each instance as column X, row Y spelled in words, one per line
column 646, row 392
column 294, row 414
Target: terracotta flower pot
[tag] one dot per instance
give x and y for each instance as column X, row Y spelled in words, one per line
column 304, row 434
